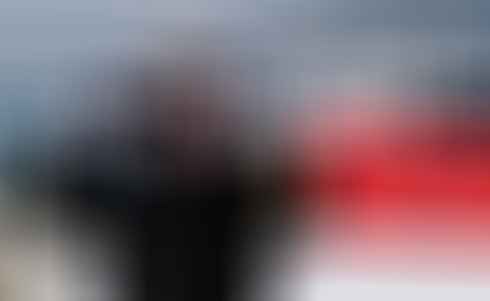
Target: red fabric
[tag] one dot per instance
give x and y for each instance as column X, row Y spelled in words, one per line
column 402, row 181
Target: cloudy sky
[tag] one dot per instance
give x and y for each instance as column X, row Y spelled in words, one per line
column 50, row 49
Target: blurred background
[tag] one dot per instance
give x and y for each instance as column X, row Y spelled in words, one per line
column 244, row 150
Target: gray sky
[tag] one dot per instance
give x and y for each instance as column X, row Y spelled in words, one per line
column 51, row 50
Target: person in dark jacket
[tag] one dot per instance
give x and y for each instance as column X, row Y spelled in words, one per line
column 176, row 180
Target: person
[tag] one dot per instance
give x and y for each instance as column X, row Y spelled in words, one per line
column 176, row 183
